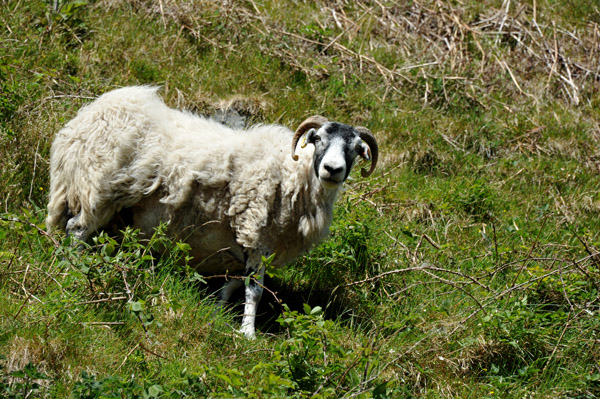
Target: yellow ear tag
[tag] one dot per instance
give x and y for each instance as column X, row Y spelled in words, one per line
column 304, row 143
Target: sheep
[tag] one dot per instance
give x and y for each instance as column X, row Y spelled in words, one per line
column 233, row 195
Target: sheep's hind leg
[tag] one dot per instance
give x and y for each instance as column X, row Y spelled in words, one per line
column 254, row 291
column 228, row 289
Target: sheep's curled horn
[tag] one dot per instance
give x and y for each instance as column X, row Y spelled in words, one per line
column 312, row 122
column 315, row 122
column 369, row 138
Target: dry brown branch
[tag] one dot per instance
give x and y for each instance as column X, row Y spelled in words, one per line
column 143, row 347
column 562, row 334
column 453, row 284
column 425, row 267
column 119, row 298
column 533, row 246
column 510, row 290
column 103, row 323
column 127, row 356
column 352, row 25
column 36, row 227
column 409, row 287
column 228, row 276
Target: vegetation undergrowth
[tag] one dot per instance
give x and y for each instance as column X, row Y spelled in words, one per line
column 467, row 266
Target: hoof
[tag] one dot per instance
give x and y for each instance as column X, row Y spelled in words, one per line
column 248, row 332
column 76, row 230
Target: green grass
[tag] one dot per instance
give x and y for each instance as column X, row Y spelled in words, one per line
column 465, row 267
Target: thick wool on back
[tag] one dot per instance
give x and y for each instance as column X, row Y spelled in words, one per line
column 128, row 146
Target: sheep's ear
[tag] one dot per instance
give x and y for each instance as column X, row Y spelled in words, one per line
column 365, row 151
column 309, row 137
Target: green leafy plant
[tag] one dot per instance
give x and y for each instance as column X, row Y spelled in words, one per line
column 27, row 382
column 67, row 14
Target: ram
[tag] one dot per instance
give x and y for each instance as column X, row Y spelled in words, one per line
column 233, row 195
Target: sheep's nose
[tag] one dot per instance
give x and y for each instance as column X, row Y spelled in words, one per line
column 333, row 170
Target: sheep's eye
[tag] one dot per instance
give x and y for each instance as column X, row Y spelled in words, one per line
column 317, row 139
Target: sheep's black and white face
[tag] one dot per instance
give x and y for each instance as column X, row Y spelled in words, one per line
column 336, row 148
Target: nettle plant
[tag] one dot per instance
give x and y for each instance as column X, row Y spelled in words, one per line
column 314, row 360
column 126, row 273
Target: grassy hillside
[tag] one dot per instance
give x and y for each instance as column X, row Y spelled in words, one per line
column 467, row 266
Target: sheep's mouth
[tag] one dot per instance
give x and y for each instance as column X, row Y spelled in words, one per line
column 330, row 183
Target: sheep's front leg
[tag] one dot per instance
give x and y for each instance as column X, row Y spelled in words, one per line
column 76, row 229
column 254, row 290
